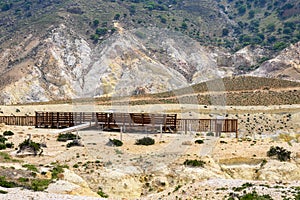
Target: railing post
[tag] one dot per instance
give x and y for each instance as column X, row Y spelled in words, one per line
column 185, row 126
column 236, row 128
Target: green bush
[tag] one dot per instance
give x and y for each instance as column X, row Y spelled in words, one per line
column 101, row 31
column 2, row 146
column 244, row 186
column 30, row 167
column 33, row 146
column 279, row 45
column 23, row 180
column 199, row 142
column 101, row 193
column 281, row 153
column 3, row 192
column 5, row 156
column 210, row 134
column 40, row 184
column 75, row 166
column 116, row 142
column 9, row 145
column 194, row 163
column 58, row 170
column 73, row 144
column 8, row 133
column 7, row 184
column 177, row 188
column 66, row 136
column 94, row 37
column 145, row 141
column 2, row 139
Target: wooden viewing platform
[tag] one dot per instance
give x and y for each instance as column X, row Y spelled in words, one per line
column 135, row 121
column 126, row 121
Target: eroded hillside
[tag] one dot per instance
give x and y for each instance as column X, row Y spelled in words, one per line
column 61, row 50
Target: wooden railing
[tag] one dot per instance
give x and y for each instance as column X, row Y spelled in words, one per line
column 62, row 119
column 18, row 120
column 166, row 122
column 208, row 125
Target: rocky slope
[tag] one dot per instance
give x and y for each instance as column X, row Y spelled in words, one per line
column 57, row 49
column 286, row 65
column 62, row 64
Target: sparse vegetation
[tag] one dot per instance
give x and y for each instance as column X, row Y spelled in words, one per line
column 244, row 186
column 101, row 193
column 145, row 141
column 177, row 188
column 4, row 144
column 30, row 167
column 40, row 184
column 8, row 133
column 199, row 141
column 7, row 184
column 118, row 151
column 23, row 180
column 29, row 145
column 74, row 143
column 75, row 166
column 281, row 153
column 2, row 139
column 210, row 134
column 9, row 145
column 116, row 142
column 286, row 137
column 194, row 163
column 249, row 196
column 3, row 192
column 66, row 136
column 5, row 157
column 58, row 169
column 263, row 163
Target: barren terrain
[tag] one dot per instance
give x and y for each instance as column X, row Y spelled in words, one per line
column 157, row 171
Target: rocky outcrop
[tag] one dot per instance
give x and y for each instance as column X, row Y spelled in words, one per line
column 243, row 60
column 279, row 171
column 72, row 184
column 64, row 65
column 286, row 65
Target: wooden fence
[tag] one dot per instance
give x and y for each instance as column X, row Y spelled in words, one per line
column 62, row 119
column 208, row 125
column 18, row 120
